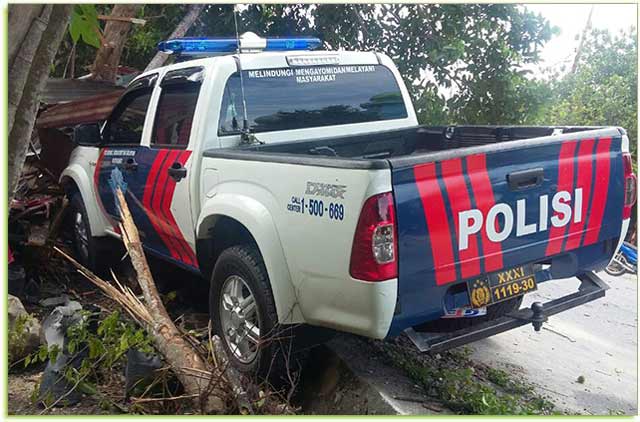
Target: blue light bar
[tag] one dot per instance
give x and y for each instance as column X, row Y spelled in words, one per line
column 198, row 45
column 203, row 45
column 285, row 44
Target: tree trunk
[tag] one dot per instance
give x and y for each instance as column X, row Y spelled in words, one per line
column 27, row 23
column 192, row 371
column 116, row 32
column 37, row 69
column 192, row 14
column 587, row 26
column 21, row 17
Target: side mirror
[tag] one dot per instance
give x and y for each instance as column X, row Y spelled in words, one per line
column 87, row 134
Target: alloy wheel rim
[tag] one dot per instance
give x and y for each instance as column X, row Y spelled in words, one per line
column 239, row 319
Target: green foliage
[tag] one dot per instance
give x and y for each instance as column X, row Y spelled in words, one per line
column 142, row 43
column 603, row 90
column 498, row 377
column 461, row 62
column 18, row 335
column 110, row 342
column 42, row 355
column 84, row 25
column 103, row 348
column 84, row 52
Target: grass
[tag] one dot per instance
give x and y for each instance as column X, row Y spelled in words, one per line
column 467, row 388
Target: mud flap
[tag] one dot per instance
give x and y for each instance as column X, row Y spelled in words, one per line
column 591, row 288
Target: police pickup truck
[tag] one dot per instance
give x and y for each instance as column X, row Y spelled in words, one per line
column 300, row 184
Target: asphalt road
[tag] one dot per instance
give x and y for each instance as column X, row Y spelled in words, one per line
column 597, row 341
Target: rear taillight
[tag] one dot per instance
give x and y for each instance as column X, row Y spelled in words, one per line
column 374, row 252
column 630, row 186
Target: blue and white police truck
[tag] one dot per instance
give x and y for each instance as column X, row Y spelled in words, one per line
column 299, row 184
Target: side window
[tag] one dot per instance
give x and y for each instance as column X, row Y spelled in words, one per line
column 174, row 115
column 127, row 120
column 231, row 110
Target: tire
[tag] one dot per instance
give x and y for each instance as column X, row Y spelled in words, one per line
column 90, row 251
column 239, row 274
column 446, row 325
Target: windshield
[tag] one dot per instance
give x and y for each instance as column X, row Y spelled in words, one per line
column 314, row 96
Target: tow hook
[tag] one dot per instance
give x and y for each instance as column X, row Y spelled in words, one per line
column 538, row 316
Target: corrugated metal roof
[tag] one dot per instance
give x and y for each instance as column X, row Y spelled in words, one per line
column 88, row 110
column 64, row 90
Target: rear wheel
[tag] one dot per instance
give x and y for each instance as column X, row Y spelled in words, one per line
column 239, row 321
column 445, row 325
column 243, row 312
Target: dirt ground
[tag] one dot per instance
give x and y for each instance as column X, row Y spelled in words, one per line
column 597, row 341
column 21, row 387
column 59, row 277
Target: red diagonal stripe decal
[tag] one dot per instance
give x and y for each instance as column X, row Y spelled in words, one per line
column 600, row 190
column 172, row 226
column 483, row 195
column 156, row 205
column 459, row 201
column 565, row 183
column 153, row 187
column 437, row 222
column 585, row 173
column 150, row 185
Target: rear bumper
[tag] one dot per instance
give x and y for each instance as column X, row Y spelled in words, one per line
column 591, row 288
column 353, row 306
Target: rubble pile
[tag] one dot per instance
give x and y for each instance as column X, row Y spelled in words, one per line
column 36, row 208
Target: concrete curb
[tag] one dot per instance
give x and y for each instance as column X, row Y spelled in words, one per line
column 348, row 378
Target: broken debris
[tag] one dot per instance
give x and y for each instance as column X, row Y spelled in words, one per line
column 140, row 370
column 61, row 318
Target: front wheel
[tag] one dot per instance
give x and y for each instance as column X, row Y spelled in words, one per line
column 88, row 250
column 243, row 312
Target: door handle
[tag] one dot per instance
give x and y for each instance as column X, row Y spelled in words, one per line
column 525, row 179
column 177, row 171
column 130, row 165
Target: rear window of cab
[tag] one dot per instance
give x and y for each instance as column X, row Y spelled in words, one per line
column 307, row 97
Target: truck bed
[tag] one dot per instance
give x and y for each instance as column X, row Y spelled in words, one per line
column 372, row 150
column 513, row 180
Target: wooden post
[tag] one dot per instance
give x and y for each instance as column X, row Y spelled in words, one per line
column 116, row 32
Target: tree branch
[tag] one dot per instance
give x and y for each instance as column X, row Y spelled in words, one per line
column 180, row 31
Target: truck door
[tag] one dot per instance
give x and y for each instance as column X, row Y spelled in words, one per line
column 121, row 148
column 164, row 190
column 155, row 164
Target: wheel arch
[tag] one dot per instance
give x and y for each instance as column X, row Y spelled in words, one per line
column 74, row 179
column 228, row 220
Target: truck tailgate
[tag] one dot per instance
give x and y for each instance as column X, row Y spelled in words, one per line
column 467, row 212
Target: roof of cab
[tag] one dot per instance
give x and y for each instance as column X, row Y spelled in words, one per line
column 270, row 59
